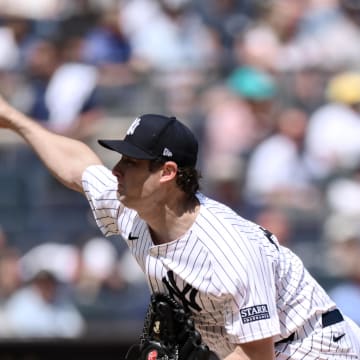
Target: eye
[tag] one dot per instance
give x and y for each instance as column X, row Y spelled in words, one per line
column 128, row 161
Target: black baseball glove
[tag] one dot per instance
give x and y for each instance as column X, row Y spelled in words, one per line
column 169, row 334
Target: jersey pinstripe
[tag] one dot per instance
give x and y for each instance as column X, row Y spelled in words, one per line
column 232, row 274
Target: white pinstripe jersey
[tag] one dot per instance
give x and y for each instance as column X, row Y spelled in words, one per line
column 234, row 276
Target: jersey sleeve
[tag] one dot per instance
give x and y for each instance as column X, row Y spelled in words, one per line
column 251, row 313
column 101, row 190
column 255, row 319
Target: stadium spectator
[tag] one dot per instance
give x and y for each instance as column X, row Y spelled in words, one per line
column 172, row 45
column 63, row 93
column 277, row 173
column 229, row 127
column 325, row 38
column 105, row 288
column 41, row 309
column 332, row 141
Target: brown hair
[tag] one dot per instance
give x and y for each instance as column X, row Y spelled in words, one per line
column 187, row 178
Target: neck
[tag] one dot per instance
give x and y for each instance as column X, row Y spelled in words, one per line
column 171, row 219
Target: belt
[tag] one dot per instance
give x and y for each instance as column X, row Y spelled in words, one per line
column 329, row 318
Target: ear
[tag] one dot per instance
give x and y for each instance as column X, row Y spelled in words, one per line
column 169, row 171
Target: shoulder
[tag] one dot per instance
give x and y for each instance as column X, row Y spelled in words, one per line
column 328, row 112
column 223, row 231
column 220, row 216
column 98, row 175
column 98, row 169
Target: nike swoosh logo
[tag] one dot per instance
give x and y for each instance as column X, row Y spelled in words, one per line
column 337, row 338
column 132, row 237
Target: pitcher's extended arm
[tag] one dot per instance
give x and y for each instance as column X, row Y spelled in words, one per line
column 65, row 158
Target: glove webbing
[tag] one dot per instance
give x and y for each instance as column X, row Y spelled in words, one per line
column 169, row 334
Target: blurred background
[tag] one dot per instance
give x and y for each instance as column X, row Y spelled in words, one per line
column 270, row 87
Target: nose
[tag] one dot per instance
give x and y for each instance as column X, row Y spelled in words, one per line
column 117, row 170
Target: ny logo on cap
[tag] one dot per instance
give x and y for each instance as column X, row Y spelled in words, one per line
column 133, row 126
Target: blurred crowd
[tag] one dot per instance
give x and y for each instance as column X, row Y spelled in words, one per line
column 270, row 87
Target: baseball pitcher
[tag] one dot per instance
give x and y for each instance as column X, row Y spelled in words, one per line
column 223, row 287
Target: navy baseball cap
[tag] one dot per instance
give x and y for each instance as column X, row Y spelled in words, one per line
column 153, row 136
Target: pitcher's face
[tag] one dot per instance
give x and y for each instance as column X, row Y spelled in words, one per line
column 136, row 183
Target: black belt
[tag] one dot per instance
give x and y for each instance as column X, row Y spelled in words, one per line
column 329, row 318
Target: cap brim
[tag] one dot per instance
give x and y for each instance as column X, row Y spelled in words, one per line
column 126, row 148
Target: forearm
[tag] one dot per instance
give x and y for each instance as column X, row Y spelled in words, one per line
column 257, row 350
column 65, row 158
column 236, row 356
